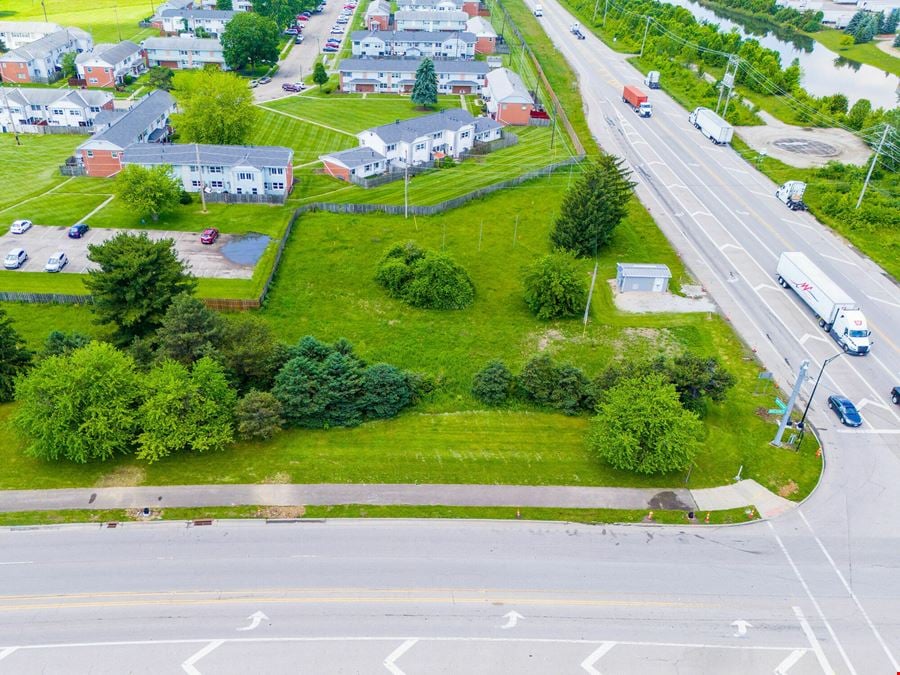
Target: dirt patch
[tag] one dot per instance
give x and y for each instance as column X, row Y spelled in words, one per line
column 138, row 514
column 788, row 489
column 762, row 413
column 278, row 478
column 276, row 512
column 123, row 476
column 548, row 338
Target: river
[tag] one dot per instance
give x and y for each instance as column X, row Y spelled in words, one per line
column 824, row 72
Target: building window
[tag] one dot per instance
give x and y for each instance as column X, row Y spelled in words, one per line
column 464, row 134
column 92, row 80
column 420, row 146
column 278, row 171
column 95, row 108
column 90, row 153
column 193, row 168
column 215, row 169
column 245, row 176
column 195, row 183
column 278, row 186
column 216, row 183
column 392, row 146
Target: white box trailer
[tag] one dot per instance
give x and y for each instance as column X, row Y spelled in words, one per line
column 838, row 314
column 711, row 125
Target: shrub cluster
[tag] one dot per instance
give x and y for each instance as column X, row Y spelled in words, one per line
column 423, row 278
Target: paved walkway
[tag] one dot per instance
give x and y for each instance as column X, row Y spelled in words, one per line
column 741, row 494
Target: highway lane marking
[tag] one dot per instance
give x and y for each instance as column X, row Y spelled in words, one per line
column 798, row 223
column 725, row 246
column 596, row 655
column 18, row 562
column 807, row 336
column 813, row 641
column 843, row 261
column 791, row 660
column 6, row 652
column 886, row 302
column 734, row 170
column 188, row 666
column 812, row 599
column 894, row 664
column 771, row 287
column 868, row 431
column 396, row 654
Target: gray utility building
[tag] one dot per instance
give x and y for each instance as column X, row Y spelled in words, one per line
column 642, row 277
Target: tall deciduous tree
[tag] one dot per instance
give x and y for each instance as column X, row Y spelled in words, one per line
column 185, row 410
column 642, row 427
column 68, row 64
column 135, row 283
column 697, row 378
column 593, row 207
column 250, row 38
column 14, row 357
column 424, row 92
column 217, row 107
column 89, row 413
column 555, row 287
column 320, row 75
column 150, row 190
column 282, row 12
column 224, row 5
column 160, row 77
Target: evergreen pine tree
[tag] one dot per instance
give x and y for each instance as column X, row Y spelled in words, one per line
column 424, row 91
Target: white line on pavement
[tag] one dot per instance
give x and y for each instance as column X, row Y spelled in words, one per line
column 396, row 654
column 17, row 562
column 813, row 641
column 596, row 655
column 188, row 666
column 815, row 604
column 798, row 223
column 791, row 660
column 886, row 302
column 843, row 261
column 6, row 652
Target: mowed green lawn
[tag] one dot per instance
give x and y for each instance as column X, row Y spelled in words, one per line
column 30, row 169
column 353, row 113
column 106, row 20
column 308, row 140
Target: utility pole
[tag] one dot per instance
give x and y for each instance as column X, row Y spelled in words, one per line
column 44, row 7
column 801, row 425
column 587, row 307
column 646, row 30
column 118, row 26
column 887, row 127
column 406, row 191
column 200, row 173
column 731, row 69
column 605, row 10
column 801, row 378
column 596, row 7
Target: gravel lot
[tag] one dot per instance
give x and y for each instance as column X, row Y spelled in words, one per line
column 40, row 242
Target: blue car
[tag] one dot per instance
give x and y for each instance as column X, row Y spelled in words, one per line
column 77, row 231
column 845, row 410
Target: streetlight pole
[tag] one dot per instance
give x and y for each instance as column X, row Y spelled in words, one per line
column 887, row 127
column 800, row 424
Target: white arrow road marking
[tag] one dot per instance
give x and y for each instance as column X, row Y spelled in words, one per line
column 596, row 655
column 6, row 652
column 742, row 627
column 512, row 618
column 843, row 261
column 789, row 662
column 878, row 404
column 255, row 619
column 807, row 336
column 887, row 302
column 396, row 654
column 188, row 666
column 742, row 213
column 762, row 286
column 734, row 246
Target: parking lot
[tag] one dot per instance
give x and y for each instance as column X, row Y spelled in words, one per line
column 41, row 242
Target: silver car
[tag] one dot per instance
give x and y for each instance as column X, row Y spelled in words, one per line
column 20, row 226
column 57, row 261
column 15, row 259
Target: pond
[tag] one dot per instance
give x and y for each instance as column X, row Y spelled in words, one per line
column 245, row 249
column 824, row 72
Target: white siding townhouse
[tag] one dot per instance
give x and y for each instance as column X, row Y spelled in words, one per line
column 399, row 75
column 359, row 162
column 379, row 43
column 28, row 109
column 213, row 21
column 235, row 169
column 181, row 53
column 15, row 34
column 41, row 60
column 430, row 5
column 448, row 133
column 106, row 65
column 430, row 20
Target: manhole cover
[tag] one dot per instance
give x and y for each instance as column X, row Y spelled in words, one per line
column 803, row 146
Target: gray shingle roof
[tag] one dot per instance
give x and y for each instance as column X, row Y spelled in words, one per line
column 378, row 8
column 409, row 130
column 177, row 154
column 506, row 85
column 413, row 35
column 644, row 270
column 429, row 15
column 410, row 66
column 483, row 124
column 426, row 3
column 105, row 118
column 36, row 96
column 198, row 13
column 40, row 47
column 126, row 129
column 109, row 53
column 183, row 43
column 355, row 157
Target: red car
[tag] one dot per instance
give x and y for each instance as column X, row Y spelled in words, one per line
column 302, row 18
column 209, row 236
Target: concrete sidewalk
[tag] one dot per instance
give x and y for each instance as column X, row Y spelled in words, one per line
column 730, row 496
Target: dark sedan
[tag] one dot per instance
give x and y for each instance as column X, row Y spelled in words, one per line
column 845, row 410
column 78, row 230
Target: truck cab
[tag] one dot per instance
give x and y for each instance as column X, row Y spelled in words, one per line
column 851, row 332
column 791, row 194
column 645, row 109
column 538, row 11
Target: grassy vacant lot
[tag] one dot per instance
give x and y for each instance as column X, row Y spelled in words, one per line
column 325, row 288
column 106, row 20
column 864, row 53
column 31, row 169
column 308, row 140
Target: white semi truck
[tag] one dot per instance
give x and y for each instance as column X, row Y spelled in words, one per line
column 836, row 311
column 711, row 125
column 791, row 193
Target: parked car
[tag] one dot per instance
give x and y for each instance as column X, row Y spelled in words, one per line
column 56, row 262
column 334, row 42
column 78, row 230
column 15, row 259
column 331, row 48
column 293, row 86
column 342, row 20
column 845, row 410
column 298, row 40
column 253, row 84
column 20, row 226
column 895, row 395
column 209, row 236
column 321, row 8
column 291, row 31
column 302, row 18
column 337, row 30
column 265, row 80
